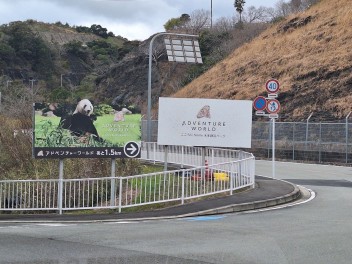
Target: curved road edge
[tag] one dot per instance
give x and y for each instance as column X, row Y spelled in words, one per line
column 267, row 195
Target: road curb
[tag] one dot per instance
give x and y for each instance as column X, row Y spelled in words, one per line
column 236, row 208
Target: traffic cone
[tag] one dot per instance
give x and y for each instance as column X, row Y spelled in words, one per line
column 208, row 173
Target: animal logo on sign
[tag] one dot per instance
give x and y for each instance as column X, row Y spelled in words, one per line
column 204, row 112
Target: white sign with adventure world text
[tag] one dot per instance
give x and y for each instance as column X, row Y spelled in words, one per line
column 205, row 122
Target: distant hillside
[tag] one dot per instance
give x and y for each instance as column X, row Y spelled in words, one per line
column 65, row 63
column 310, row 53
column 60, row 61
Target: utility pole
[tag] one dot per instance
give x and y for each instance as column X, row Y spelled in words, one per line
column 61, row 80
column 32, row 81
column 7, row 83
column 211, row 13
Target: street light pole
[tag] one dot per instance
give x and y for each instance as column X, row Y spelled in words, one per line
column 211, row 13
column 149, row 107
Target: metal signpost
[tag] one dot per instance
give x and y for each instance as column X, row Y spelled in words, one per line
column 272, row 107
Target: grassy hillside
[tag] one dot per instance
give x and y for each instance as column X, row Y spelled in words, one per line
column 310, row 53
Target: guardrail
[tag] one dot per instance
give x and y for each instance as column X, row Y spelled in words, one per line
column 204, row 172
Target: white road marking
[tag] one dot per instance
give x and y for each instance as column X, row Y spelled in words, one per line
column 54, row 224
column 312, row 196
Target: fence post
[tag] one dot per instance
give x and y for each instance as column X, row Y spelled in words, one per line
column 293, row 140
column 231, row 179
column 239, row 182
column 273, row 147
column 253, row 172
column 307, row 131
column 120, row 194
column 112, row 187
column 269, row 138
column 183, row 187
column 319, row 142
column 166, row 154
column 60, row 187
column 347, row 136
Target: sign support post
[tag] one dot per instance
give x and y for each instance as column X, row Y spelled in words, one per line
column 273, row 146
column 60, row 187
column 272, row 107
column 112, row 187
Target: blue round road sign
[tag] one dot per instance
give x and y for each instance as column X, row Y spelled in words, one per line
column 259, row 103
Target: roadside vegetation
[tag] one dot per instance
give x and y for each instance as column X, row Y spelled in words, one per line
column 44, row 63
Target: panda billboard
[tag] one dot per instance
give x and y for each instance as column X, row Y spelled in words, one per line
column 85, row 131
column 205, row 122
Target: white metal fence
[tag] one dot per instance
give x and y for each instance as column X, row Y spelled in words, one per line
column 314, row 142
column 304, row 141
column 205, row 171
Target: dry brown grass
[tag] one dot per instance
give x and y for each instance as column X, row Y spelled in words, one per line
column 313, row 63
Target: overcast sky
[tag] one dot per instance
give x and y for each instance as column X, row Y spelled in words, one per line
column 132, row 19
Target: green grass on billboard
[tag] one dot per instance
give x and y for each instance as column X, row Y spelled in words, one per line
column 113, row 134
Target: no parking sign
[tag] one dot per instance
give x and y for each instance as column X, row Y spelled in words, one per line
column 259, row 103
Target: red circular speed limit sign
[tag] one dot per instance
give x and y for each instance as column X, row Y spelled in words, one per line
column 273, row 106
column 272, row 86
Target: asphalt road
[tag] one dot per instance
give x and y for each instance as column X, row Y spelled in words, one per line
column 319, row 231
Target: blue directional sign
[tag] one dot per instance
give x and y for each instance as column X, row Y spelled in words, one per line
column 259, row 103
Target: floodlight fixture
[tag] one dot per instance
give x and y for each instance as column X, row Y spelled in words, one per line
column 183, row 50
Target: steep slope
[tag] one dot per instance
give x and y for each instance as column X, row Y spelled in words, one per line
column 310, row 53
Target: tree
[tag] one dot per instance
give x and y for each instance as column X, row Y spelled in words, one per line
column 190, row 24
column 99, row 30
column 283, row 8
column 239, row 6
column 260, row 14
column 176, row 23
column 296, row 5
column 199, row 20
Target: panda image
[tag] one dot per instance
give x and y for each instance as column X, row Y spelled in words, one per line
column 80, row 123
column 84, row 107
